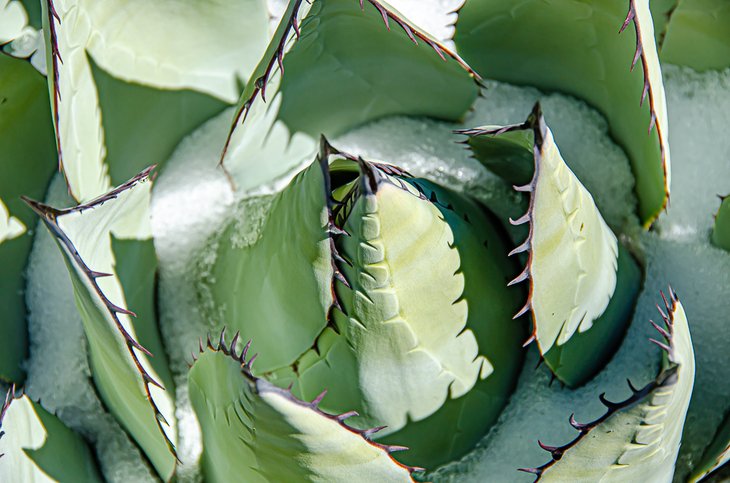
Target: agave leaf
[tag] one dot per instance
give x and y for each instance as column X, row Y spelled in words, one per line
column 330, row 66
column 698, row 35
column 36, row 446
column 150, row 122
column 277, row 290
column 575, row 263
column 148, row 125
column 216, row 42
column 721, row 230
column 716, row 455
column 13, row 18
column 256, row 432
column 135, row 265
column 394, row 326
column 637, row 439
column 27, row 160
column 574, row 46
column 123, row 375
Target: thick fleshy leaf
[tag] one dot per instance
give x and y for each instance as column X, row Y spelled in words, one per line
column 146, row 126
column 254, row 431
column 698, row 35
column 637, row 439
column 27, row 161
column 573, row 257
column 122, row 373
column 721, row 230
column 361, row 61
column 35, row 446
column 214, row 43
column 575, row 47
column 420, row 296
column 13, row 19
column 276, row 289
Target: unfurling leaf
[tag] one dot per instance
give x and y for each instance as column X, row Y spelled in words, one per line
column 254, row 431
column 368, row 282
column 122, row 373
column 579, row 275
column 637, row 439
column 35, row 446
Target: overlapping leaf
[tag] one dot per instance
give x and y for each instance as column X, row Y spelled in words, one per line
column 575, row 47
column 257, row 432
column 123, row 375
column 637, row 439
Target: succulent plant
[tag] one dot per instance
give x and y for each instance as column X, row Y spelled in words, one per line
column 393, row 259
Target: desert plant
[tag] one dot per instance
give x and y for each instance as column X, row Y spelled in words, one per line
column 325, row 288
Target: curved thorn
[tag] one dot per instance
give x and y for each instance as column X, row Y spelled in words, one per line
column 522, row 311
column 521, row 220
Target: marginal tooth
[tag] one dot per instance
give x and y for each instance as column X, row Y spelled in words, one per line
column 222, row 341
column 629, row 18
column 548, row 448
column 661, row 330
column 347, row 415
column 604, row 401
column 534, row 471
column 395, row 448
column 631, row 386
column 521, row 220
column 209, row 343
column 527, row 188
column 530, row 340
column 522, row 311
column 121, row 310
column 521, row 277
column 94, row 274
column 644, row 92
column 661, row 344
column 234, row 342
column 521, row 248
column 244, row 352
column 369, row 432
column 637, row 54
column 315, row 402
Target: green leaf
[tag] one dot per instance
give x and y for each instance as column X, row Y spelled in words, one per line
column 573, row 264
column 721, row 230
column 420, row 296
column 276, row 290
column 698, row 35
column 148, row 125
column 122, row 373
column 36, row 446
column 13, row 18
column 637, row 439
column 256, row 432
column 716, row 455
column 135, row 264
column 27, row 161
column 351, row 64
column 217, row 42
column 101, row 121
column 574, row 46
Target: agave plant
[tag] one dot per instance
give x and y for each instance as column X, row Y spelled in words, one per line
column 429, row 242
